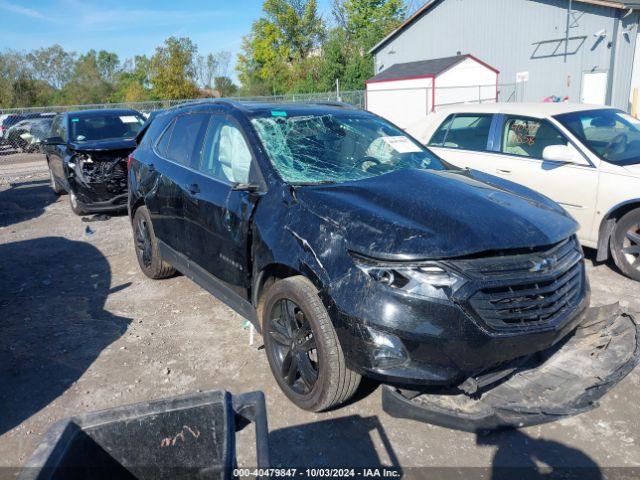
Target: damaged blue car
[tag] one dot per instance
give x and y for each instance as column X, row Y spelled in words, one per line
column 355, row 251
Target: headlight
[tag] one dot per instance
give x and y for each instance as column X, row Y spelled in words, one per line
column 430, row 280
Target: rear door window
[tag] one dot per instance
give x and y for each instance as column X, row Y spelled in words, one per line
column 163, row 143
column 186, row 138
column 464, row 132
column 528, row 137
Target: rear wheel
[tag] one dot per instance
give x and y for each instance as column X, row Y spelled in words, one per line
column 302, row 347
column 149, row 257
column 625, row 244
column 77, row 207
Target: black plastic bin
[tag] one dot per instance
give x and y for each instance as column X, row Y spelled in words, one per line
column 191, row 436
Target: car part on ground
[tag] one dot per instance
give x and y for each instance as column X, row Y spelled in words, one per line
column 564, row 380
column 426, row 274
column 191, row 436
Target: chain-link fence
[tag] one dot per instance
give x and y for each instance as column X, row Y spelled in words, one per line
column 22, row 130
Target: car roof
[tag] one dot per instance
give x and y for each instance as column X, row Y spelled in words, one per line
column 98, row 111
column 255, row 108
column 528, row 109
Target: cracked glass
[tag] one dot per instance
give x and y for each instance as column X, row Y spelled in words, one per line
column 338, row 147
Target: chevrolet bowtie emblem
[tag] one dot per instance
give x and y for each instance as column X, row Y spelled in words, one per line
column 542, row 264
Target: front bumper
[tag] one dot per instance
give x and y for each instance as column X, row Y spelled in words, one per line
column 565, row 380
column 445, row 338
column 444, row 345
column 117, row 203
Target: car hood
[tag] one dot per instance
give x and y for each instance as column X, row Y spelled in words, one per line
column 417, row 214
column 104, row 145
column 633, row 169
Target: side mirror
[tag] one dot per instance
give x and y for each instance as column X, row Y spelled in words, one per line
column 53, row 141
column 563, row 154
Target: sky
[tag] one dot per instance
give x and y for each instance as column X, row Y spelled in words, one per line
column 128, row 28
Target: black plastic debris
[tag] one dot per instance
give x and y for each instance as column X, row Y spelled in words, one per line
column 89, row 231
column 98, row 217
column 191, row 436
column 565, row 380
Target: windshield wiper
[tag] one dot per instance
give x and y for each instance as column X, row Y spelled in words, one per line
column 311, row 184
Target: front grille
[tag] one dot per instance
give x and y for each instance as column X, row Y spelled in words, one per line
column 527, row 290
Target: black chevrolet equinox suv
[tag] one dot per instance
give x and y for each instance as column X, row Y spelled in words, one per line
column 352, row 248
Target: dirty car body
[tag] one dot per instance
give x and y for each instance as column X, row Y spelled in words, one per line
column 433, row 277
column 87, row 155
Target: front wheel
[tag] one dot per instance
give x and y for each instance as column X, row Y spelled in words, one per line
column 77, row 207
column 302, row 347
column 625, row 244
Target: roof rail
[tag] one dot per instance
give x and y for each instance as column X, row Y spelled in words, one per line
column 332, row 103
column 208, row 101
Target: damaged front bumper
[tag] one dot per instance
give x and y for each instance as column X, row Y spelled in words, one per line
column 564, row 380
column 99, row 180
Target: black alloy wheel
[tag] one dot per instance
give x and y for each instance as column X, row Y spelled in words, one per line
column 143, row 242
column 302, row 346
column 293, row 346
column 149, row 257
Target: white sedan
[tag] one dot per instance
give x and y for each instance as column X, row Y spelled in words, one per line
column 586, row 158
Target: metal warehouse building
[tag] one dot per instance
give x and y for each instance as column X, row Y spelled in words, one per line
column 581, row 49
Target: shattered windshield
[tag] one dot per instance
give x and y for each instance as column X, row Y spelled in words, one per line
column 611, row 134
column 105, row 127
column 338, row 147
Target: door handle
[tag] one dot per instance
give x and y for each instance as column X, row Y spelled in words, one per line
column 503, row 171
column 194, row 188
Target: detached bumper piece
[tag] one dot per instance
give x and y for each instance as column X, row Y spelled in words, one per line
column 565, row 380
column 192, row 436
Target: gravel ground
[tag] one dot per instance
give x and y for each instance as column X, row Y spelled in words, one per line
column 82, row 329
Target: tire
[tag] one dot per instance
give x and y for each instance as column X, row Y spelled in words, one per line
column 315, row 344
column 53, row 184
column 625, row 244
column 77, row 207
column 146, row 244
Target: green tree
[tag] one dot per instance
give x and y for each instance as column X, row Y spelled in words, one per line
column 87, row 84
column 52, row 64
column 132, row 82
column 360, row 25
column 289, row 32
column 173, row 70
column 225, row 86
column 368, row 21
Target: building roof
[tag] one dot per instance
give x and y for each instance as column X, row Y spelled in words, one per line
column 428, row 4
column 420, row 69
column 423, row 68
